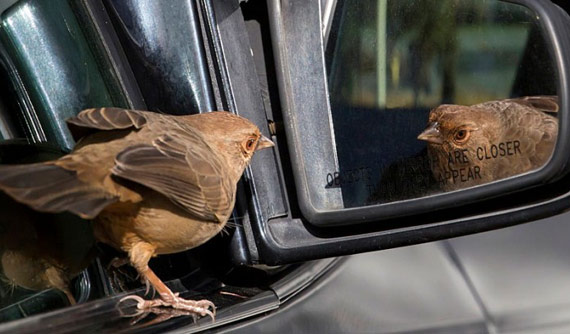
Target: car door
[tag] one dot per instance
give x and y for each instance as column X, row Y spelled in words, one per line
column 344, row 89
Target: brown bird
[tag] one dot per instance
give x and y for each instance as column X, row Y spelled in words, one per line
column 153, row 183
column 472, row 145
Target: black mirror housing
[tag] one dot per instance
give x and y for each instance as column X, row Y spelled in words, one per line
column 315, row 233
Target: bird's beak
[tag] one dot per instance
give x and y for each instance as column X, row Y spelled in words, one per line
column 431, row 134
column 264, row 142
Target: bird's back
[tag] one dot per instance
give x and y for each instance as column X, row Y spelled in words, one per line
column 94, row 157
column 535, row 132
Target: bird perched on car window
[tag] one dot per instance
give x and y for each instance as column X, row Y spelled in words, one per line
column 153, row 183
column 472, row 145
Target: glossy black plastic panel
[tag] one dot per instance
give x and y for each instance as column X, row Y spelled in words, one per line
column 105, row 317
column 19, row 111
column 233, row 304
column 241, row 89
column 8, row 129
column 164, row 46
column 38, row 37
column 105, row 45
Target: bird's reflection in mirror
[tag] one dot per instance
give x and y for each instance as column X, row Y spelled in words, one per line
column 482, row 143
column 41, row 251
column 473, row 145
column 383, row 91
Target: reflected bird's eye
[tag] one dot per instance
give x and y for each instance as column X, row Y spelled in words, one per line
column 461, row 136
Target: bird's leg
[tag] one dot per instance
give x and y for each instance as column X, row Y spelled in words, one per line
column 139, row 256
column 57, row 279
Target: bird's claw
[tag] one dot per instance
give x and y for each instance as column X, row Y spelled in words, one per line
column 140, row 302
column 148, row 287
column 200, row 307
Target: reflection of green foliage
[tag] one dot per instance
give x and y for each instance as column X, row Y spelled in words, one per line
column 355, row 49
column 426, row 43
column 433, row 38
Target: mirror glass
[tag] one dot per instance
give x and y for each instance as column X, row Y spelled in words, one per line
column 431, row 96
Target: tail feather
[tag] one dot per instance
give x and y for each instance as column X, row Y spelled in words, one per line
column 49, row 188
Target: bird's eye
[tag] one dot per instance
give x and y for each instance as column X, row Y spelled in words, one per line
column 461, row 135
column 249, row 144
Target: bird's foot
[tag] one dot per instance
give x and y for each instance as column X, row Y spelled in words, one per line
column 200, row 307
column 161, row 314
column 146, row 282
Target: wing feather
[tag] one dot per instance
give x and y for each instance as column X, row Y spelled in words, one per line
column 91, row 120
column 182, row 167
column 49, row 188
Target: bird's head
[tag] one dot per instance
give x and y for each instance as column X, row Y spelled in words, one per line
column 490, row 140
column 455, row 127
column 234, row 136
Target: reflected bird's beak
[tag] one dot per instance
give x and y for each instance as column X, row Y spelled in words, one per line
column 264, row 142
column 431, row 134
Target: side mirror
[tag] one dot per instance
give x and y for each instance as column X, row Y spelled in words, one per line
column 419, row 120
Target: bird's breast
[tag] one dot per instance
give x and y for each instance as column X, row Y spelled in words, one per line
column 155, row 220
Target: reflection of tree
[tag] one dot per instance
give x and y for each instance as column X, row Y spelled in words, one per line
column 434, row 38
column 537, row 73
column 351, row 54
column 423, row 49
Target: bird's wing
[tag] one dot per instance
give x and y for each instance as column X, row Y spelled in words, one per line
column 181, row 166
column 547, row 104
column 90, row 120
column 47, row 187
column 536, row 131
